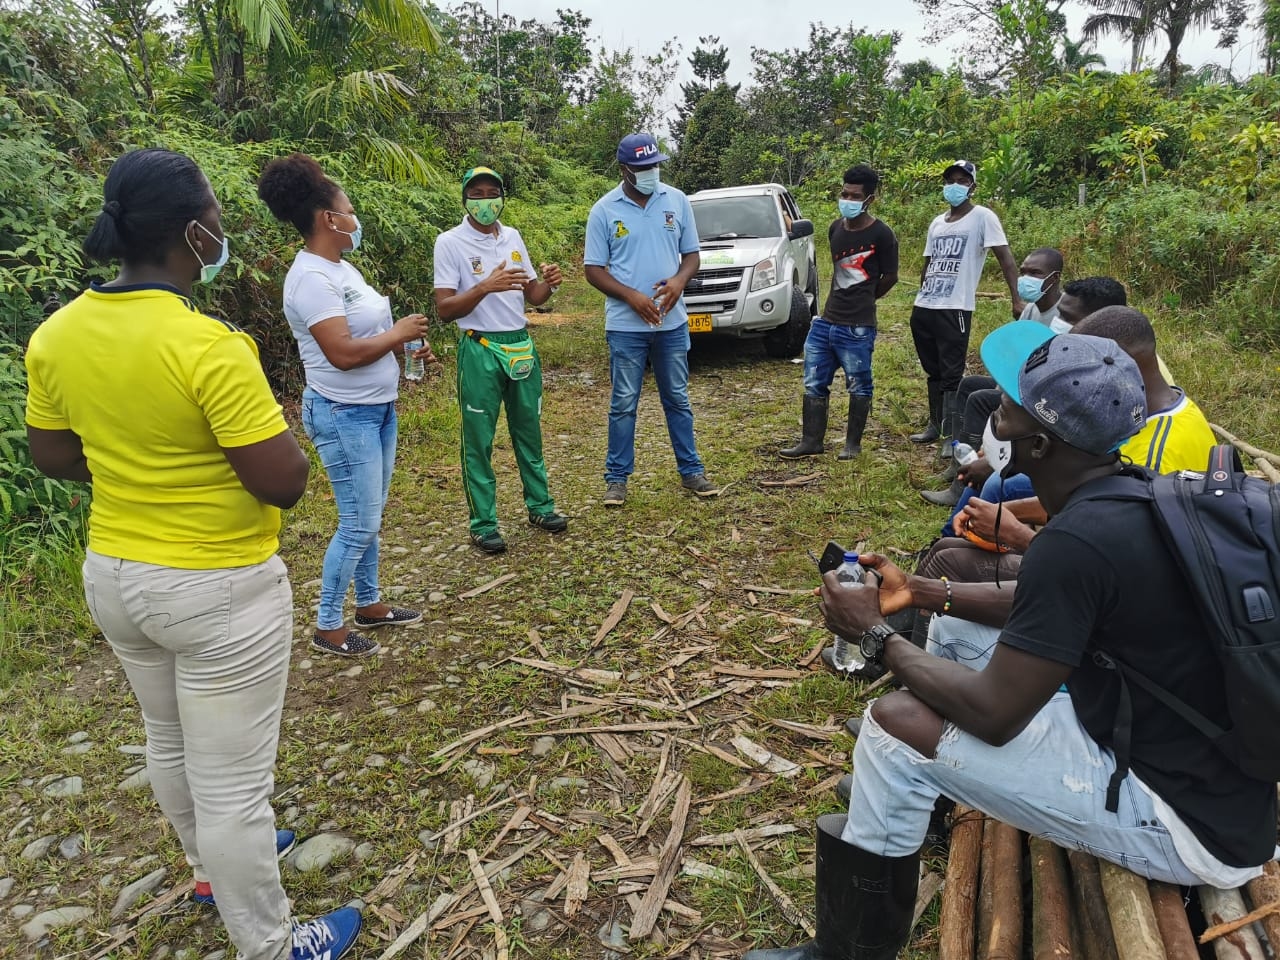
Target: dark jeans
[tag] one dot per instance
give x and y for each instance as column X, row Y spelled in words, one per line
column 978, row 398
column 942, row 343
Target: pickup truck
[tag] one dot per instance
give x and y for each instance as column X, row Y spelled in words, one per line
column 759, row 275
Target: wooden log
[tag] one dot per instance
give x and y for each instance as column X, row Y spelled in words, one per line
column 1265, row 890
column 1243, row 447
column 1050, row 902
column 1171, row 920
column 959, row 891
column 1224, row 906
column 1099, row 943
column 1002, row 937
column 1133, row 920
column 986, row 889
column 643, row 920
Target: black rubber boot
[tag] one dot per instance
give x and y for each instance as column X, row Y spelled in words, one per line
column 953, row 468
column 814, row 429
column 859, row 407
column 944, row 498
column 930, row 432
column 948, row 424
column 864, row 902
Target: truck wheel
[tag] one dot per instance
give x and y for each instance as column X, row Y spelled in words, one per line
column 813, row 290
column 788, row 340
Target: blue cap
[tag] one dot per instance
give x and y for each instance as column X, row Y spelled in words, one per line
column 1085, row 390
column 640, row 150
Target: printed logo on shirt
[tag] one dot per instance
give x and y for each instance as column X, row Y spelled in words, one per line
column 515, row 257
column 620, row 230
column 477, row 266
column 944, row 267
column 669, row 217
column 851, row 269
column 350, row 295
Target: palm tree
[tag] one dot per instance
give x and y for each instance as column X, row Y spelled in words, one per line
column 1079, row 55
column 1139, row 20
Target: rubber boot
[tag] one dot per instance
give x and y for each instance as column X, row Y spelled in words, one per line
column 948, row 424
column 814, row 420
column 930, row 432
column 944, row 498
column 864, row 903
column 859, row 407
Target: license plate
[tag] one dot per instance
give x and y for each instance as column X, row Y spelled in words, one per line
column 699, row 323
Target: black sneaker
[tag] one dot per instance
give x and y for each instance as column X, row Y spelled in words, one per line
column 398, row 617
column 700, row 485
column 615, row 494
column 553, row 522
column 490, row 542
column 355, row 645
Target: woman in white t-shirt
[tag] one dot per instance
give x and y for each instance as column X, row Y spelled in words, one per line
column 350, row 346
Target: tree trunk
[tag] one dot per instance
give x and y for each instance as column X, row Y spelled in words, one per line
column 956, row 921
column 1050, row 902
column 1091, row 907
column 1000, row 893
column 1223, row 906
column 1171, row 920
column 1133, row 919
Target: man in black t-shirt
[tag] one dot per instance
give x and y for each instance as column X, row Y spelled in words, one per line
column 1020, row 721
column 864, row 257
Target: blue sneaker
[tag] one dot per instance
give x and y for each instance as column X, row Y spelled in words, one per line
column 285, row 841
column 327, row 937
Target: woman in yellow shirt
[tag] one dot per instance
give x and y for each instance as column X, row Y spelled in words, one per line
column 191, row 461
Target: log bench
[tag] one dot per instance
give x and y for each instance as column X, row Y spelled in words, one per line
column 1009, row 897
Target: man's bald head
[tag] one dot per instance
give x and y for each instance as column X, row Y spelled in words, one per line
column 1126, row 326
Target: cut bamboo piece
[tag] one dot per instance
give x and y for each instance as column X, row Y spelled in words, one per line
column 1265, row 890
column 1000, row 937
column 1222, row 907
column 1132, row 917
column 1091, row 907
column 1050, row 902
column 956, row 922
column 668, row 864
column 1171, row 920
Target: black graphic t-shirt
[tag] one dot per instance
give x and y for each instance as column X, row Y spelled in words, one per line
column 859, row 258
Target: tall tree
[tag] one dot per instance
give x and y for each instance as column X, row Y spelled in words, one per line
column 1005, row 39
column 710, row 64
column 707, row 136
column 1140, row 20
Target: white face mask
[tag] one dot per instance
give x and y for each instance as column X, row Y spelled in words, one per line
column 647, row 180
column 998, row 453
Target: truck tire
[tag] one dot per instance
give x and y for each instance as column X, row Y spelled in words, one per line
column 788, row 340
column 813, row 290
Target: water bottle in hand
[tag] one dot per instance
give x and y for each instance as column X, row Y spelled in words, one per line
column 413, row 369
column 846, row 656
column 963, row 453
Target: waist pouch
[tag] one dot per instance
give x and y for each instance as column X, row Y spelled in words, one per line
column 516, row 359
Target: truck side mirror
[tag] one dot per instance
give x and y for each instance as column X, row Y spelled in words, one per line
column 800, row 228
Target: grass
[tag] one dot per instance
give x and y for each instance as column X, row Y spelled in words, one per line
column 451, row 675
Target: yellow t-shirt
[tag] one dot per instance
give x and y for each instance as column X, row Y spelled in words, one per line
column 1178, row 438
column 154, row 389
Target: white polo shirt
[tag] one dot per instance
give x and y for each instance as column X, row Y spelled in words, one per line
column 464, row 256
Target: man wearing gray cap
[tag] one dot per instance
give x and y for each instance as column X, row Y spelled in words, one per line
column 1024, row 722
column 954, row 253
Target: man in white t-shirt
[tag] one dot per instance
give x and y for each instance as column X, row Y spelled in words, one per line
column 483, row 278
column 954, row 253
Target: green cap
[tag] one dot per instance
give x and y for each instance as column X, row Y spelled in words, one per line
column 481, row 172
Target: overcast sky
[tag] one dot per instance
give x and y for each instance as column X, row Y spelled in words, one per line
column 776, row 24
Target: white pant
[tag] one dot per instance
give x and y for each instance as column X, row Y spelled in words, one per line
column 207, row 655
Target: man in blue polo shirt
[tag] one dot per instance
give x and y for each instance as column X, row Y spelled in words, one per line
column 642, row 248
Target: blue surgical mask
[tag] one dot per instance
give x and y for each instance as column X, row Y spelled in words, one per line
column 647, row 180
column 1030, row 289
column 851, row 209
column 210, row 270
column 955, row 193
column 355, row 234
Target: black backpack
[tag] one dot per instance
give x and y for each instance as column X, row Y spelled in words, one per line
column 1223, row 527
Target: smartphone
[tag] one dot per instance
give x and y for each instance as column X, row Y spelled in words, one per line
column 831, row 557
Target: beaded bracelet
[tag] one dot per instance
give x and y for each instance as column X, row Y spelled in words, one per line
column 946, row 606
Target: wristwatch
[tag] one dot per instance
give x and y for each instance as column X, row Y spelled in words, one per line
column 872, row 642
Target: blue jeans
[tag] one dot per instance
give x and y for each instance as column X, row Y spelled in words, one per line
column 829, row 344
column 1050, row 780
column 668, row 351
column 357, row 445
column 1017, row 487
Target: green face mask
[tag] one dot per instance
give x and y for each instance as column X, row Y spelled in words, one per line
column 486, row 210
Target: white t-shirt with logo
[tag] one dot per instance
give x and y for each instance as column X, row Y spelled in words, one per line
column 316, row 289
column 956, row 253
column 464, row 256
column 1048, row 317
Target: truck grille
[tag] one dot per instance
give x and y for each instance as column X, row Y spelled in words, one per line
column 715, row 283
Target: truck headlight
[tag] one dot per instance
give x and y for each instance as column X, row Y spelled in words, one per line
column 764, row 274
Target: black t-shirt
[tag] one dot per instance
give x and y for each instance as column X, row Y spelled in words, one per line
column 1099, row 577
column 859, row 259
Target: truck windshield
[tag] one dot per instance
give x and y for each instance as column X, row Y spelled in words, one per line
column 730, row 218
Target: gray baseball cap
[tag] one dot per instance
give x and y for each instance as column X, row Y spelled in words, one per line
column 1085, row 390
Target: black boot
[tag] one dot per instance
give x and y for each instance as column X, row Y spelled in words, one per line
column 930, row 432
column 948, row 424
column 859, row 407
column 944, row 498
column 864, row 902
column 814, row 430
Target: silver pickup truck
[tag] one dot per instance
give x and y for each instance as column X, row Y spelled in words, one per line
column 759, row 275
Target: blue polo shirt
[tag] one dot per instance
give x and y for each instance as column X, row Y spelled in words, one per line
column 640, row 246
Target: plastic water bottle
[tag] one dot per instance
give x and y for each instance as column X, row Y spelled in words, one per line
column 413, row 369
column 846, row 656
column 963, row 453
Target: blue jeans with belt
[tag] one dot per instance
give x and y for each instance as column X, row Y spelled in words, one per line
column 668, row 351
column 829, row 345
column 357, row 445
